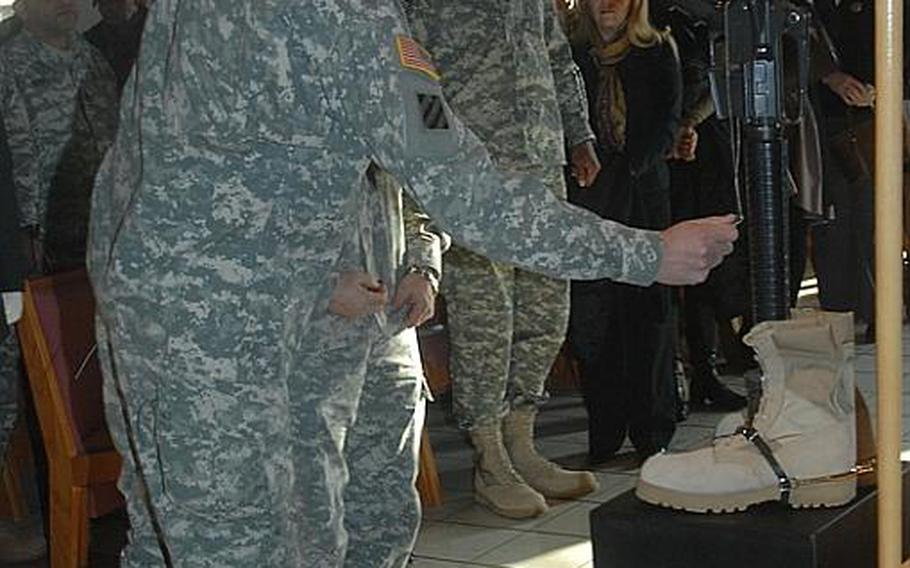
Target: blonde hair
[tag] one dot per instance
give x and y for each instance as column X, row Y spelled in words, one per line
column 637, row 28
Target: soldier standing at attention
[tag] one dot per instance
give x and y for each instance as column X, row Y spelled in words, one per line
column 251, row 404
column 507, row 71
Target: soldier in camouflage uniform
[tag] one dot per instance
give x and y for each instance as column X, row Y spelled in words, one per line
column 259, row 427
column 59, row 100
column 508, row 73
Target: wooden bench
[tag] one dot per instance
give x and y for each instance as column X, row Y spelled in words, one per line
column 58, row 345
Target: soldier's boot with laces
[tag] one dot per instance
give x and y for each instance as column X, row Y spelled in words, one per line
column 543, row 475
column 496, row 483
column 799, row 446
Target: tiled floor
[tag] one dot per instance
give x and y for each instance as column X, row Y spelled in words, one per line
column 463, row 533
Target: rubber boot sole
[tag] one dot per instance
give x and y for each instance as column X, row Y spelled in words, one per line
column 568, row 494
column 811, row 495
column 522, row 513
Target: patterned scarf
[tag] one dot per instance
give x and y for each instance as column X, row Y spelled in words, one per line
column 610, row 100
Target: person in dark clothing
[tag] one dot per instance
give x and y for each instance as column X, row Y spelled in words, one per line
column 118, row 34
column 701, row 174
column 12, row 259
column 624, row 336
column 844, row 250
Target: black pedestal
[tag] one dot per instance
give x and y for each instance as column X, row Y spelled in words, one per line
column 628, row 533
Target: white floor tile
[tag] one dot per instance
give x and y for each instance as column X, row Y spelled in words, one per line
column 419, row 562
column 449, row 541
column 574, row 521
column 479, row 516
column 611, row 485
column 533, row 550
column 451, row 504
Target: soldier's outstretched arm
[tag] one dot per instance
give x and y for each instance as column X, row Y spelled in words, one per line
column 516, row 219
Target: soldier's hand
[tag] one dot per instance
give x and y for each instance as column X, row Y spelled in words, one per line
column 693, row 248
column 416, row 294
column 585, row 165
column 358, row 294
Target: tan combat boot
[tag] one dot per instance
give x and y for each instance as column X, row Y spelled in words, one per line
column 496, row 484
column 541, row 474
column 865, row 434
column 799, row 446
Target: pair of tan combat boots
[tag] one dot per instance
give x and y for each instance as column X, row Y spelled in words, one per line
column 511, row 478
column 798, row 445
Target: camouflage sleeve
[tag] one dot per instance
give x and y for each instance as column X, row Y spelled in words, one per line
column 570, row 88
column 508, row 218
column 699, row 111
column 424, row 242
column 22, row 148
column 415, row 11
column 515, row 219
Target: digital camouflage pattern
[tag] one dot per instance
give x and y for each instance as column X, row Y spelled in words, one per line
column 506, row 326
column 220, row 219
column 509, row 75
column 9, row 387
column 60, row 113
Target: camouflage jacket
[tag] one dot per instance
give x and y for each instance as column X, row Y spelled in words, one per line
column 60, row 112
column 243, row 145
column 508, row 74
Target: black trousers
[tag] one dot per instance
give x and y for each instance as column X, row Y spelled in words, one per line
column 624, row 338
column 844, row 251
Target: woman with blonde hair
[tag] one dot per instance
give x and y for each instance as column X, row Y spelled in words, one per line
column 624, row 336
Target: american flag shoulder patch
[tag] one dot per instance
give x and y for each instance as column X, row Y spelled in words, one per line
column 413, row 56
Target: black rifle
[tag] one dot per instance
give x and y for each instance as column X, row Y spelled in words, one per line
column 747, row 82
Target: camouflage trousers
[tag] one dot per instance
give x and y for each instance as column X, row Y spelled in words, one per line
column 283, row 447
column 506, row 326
column 9, row 388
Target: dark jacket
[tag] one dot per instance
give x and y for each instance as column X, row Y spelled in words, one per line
column 851, row 27
column 119, row 43
column 637, row 179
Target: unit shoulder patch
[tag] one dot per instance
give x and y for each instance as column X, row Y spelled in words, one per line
column 413, row 56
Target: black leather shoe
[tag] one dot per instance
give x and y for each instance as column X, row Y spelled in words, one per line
column 651, row 436
column 708, row 393
column 604, row 442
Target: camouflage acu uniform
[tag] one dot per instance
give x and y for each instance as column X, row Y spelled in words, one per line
column 508, row 73
column 259, row 429
column 59, row 111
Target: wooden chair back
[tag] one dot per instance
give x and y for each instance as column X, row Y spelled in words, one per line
column 57, row 336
